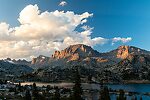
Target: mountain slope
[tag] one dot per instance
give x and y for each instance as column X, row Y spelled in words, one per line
column 134, row 67
column 125, row 62
column 76, row 52
column 8, row 68
column 20, row 62
column 86, row 55
column 72, row 55
column 123, row 52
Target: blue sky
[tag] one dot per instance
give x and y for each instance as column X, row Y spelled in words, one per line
column 111, row 18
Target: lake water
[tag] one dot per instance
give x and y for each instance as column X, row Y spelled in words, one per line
column 140, row 88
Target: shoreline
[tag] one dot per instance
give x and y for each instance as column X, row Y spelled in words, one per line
column 105, row 83
column 136, row 81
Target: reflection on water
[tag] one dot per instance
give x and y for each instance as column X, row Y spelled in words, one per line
column 140, row 88
column 67, row 85
column 94, row 95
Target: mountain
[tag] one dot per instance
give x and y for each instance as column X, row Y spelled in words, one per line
column 86, row 55
column 71, row 56
column 76, row 52
column 9, row 68
column 123, row 52
column 131, row 62
column 123, row 63
column 40, row 60
column 133, row 67
column 114, row 65
column 21, row 62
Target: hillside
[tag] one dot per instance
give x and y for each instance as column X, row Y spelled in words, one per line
column 9, row 69
column 125, row 62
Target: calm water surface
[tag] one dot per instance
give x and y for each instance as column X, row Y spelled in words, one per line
column 140, row 88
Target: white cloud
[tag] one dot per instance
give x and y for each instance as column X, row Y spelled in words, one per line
column 5, row 32
column 63, row 3
column 41, row 33
column 44, row 32
column 119, row 39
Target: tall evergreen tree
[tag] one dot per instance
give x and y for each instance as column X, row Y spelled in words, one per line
column 57, row 94
column 121, row 95
column 19, row 87
column 27, row 95
column 101, row 84
column 134, row 98
column 35, row 92
column 104, row 94
column 141, row 98
column 77, row 90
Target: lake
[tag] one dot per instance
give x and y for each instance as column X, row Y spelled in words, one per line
column 140, row 88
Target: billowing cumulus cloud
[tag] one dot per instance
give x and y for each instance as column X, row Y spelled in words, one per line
column 63, row 3
column 43, row 32
column 5, row 32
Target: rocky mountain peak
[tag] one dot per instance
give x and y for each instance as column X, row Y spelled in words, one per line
column 40, row 59
column 123, row 47
column 123, row 52
column 75, row 52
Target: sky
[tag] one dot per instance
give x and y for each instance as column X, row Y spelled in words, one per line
column 29, row 28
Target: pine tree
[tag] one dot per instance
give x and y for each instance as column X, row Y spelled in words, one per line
column 27, row 95
column 101, row 84
column 19, row 87
column 104, row 94
column 57, row 94
column 77, row 90
column 134, row 98
column 35, row 92
column 121, row 95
